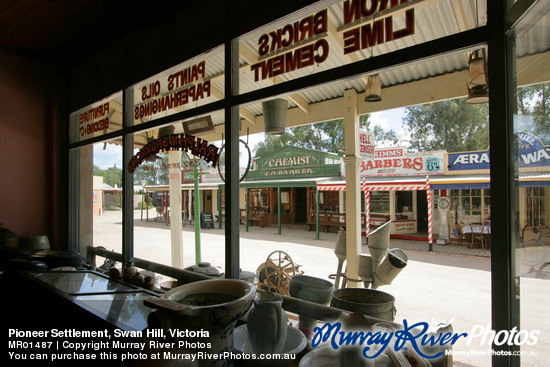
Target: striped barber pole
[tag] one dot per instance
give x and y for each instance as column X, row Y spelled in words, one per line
column 367, row 212
column 430, row 227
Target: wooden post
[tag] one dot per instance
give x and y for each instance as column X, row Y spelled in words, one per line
column 278, row 210
column 246, row 211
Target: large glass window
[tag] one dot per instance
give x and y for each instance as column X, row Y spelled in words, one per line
column 176, row 208
column 467, row 208
column 531, row 128
column 100, row 195
column 175, row 204
column 411, row 143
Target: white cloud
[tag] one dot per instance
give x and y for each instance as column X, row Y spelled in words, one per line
column 108, row 157
column 379, row 119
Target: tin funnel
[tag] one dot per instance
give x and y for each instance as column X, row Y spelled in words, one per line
column 365, row 271
column 379, row 243
column 390, row 267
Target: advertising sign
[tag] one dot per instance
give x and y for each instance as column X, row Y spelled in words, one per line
column 97, row 119
column 294, row 162
column 532, row 153
column 366, row 144
column 397, row 162
column 304, row 43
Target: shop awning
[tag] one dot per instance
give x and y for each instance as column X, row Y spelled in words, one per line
column 462, row 182
column 457, row 182
column 385, row 184
column 483, row 182
column 397, row 183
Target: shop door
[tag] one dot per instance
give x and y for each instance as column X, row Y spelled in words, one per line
column 422, row 211
column 300, row 205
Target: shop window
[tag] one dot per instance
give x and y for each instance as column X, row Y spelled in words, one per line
column 285, row 201
column 259, row 199
column 329, row 201
column 404, row 204
column 100, row 195
column 536, row 206
column 380, row 202
column 170, row 214
column 467, row 208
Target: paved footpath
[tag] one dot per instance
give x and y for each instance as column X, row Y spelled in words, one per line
column 433, row 287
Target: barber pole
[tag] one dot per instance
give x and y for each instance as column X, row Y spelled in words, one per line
column 429, row 197
column 367, row 212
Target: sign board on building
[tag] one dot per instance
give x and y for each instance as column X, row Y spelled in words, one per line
column 532, row 153
column 366, row 144
column 212, row 175
column 396, row 161
column 294, row 162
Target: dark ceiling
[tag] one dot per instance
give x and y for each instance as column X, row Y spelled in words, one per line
column 64, row 32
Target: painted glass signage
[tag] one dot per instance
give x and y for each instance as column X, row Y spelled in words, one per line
column 382, row 29
column 532, row 153
column 187, row 143
column 304, row 43
column 397, row 161
column 293, row 162
column 97, row 119
column 178, row 89
column 290, row 40
column 193, row 83
column 337, row 32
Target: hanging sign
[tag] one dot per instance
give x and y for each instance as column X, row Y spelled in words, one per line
column 397, row 161
column 366, row 144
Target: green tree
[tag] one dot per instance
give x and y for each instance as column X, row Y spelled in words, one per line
column 534, row 101
column 112, row 176
column 97, row 171
column 451, row 125
column 325, row 136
